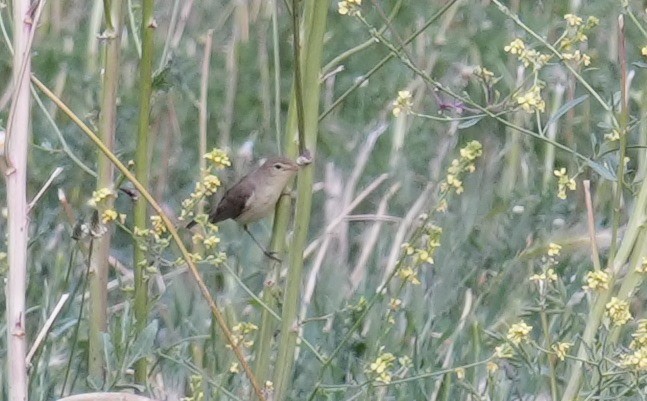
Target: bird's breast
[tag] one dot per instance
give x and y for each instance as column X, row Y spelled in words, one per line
column 259, row 205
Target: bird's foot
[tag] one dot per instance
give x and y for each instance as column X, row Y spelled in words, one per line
column 273, row 256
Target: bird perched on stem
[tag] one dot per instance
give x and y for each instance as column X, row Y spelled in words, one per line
column 255, row 195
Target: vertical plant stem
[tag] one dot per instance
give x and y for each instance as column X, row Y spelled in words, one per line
column 16, row 181
column 107, row 124
column 315, row 14
column 617, row 255
column 204, row 110
column 277, row 71
column 142, row 173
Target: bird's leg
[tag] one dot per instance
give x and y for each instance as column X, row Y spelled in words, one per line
column 270, row 255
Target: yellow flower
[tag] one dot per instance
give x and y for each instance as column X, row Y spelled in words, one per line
column 643, row 51
column 269, row 386
column 597, row 280
column 218, row 158
column 618, row 311
column 578, row 57
column 573, row 20
column 233, row 368
column 197, row 238
column 210, row 184
column 640, row 335
column 211, row 241
column 613, row 136
column 637, row 360
column 564, row 183
column 158, row 225
column 492, row 367
column 515, row 47
column 519, row 332
column 403, row 103
column 442, row 206
column 531, row 101
column 424, row 256
column 554, row 249
column 503, row 351
column 460, row 373
column 592, row 22
column 486, row 75
column 381, row 367
column 407, row 274
column 395, row 304
column 549, row 275
column 561, row 349
column 642, row 267
column 109, row 215
column 349, row 7
column 100, row 195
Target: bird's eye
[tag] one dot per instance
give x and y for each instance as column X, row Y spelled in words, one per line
column 277, row 166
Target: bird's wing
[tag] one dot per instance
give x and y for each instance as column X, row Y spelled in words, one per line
column 233, row 203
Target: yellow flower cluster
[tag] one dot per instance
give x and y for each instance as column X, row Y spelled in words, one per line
column 618, row 311
column 519, row 332
column 642, row 267
column 527, row 56
column 459, row 167
column 484, row 74
column 638, row 358
column 573, row 20
column 597, row 280
column 564, row 183
column 158, row 225
column 349, row 7
column 109, row 215
column 430, row 242
column 409, row 275
column 382, row 366
column 561, row 349
column 640, row 335
column 578, row 57
column 503, row 351
column 403, row 103
column 531, row 100
column 208, row 185
column 100, row 195
column 240, row 334
column 548, row 276
column 554, row 249
column 613, row 136
column 576, row 31
column 218, row 158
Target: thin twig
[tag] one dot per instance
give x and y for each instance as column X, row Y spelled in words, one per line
column 48, row 324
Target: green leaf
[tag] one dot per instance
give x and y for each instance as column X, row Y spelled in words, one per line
column 602, row 170
column 143, row 345
column 564, row 109
column 470, row 122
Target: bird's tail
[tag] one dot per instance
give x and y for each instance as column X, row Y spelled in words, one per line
column 191, row 224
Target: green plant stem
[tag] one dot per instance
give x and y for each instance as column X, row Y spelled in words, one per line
column 315, row 14
column 142, row 167
column 616, row 259
column 107, row 124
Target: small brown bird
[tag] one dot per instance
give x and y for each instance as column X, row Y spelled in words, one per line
column 255, row 195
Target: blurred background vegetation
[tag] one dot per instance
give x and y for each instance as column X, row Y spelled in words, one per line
column 494, row 233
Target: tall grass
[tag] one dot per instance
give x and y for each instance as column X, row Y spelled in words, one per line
column 471, row 225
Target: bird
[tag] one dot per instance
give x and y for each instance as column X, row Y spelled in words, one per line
column 254, row 197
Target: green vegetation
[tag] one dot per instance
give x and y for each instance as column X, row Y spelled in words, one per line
column 467, row 223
